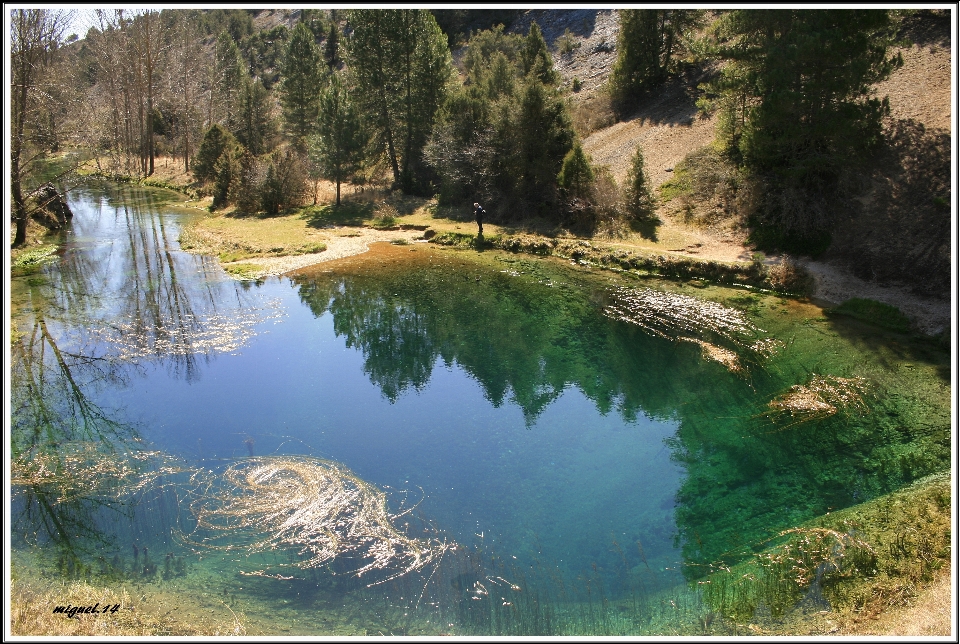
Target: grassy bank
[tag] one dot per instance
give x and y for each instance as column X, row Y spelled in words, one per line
column 844, row 569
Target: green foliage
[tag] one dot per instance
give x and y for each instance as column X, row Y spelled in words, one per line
column 339, row 146
column 227, row 170
column 302, row 81
column 796, row 110
column 238, row 23
column 459, row 24
column 229, row 77
column 29, row 261
column 873, row 312
column 640, row 202
column 401, row 64
column 284, row 184
column 264, row 52
column 567, row 43
column 331, row 50
column 315, row 22
column 576, row 175
column 215, row 142
column 647, row 44
column 256, row 127
column 535, row 57
column 502, row 137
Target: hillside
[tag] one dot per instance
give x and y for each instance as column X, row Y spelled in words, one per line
column 891, row 236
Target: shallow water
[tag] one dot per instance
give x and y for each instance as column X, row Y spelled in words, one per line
column 599, row 465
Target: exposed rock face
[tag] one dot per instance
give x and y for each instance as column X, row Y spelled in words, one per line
column 54, row 213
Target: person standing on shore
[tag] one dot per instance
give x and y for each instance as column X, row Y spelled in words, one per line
column 479, row 212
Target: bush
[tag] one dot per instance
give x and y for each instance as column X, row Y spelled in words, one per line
column 789, row 277
column 285, row 184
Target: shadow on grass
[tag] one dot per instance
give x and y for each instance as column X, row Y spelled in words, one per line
column 348, row 213
column 647, row 228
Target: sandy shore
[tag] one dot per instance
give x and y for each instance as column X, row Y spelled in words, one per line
column 836, row 285
column 341, row 242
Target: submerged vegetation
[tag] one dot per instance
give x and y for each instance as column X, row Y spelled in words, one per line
column 315, row 508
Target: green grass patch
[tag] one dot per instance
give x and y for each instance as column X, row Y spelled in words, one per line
column 862, row 559
column 317, row 247
column 873, row 312
column 30, row 261
column 244, row 271
column 384, row 223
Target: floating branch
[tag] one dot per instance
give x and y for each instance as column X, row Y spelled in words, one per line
column 316, row 507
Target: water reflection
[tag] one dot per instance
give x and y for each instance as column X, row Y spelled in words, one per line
column 112, row 306
column 530, row 331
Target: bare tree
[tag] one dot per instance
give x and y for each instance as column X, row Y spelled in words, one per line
column 35, row 35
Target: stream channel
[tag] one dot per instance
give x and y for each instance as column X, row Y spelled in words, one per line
column 521, row 446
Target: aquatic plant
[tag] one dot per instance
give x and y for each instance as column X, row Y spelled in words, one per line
column 820, row 397
column 684, row 318
column 185, row 334
column 315, row 507
column 85, row 470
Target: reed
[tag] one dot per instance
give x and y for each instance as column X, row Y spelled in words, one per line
column 820, row 397
column 689, row 319
column 315, row 508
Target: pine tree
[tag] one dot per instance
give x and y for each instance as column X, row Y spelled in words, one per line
column 256, row 127
column 646, row 45
column 640, row 202
column 402, row 67
column 215, row 142
column 332, row 48
column 301, row 84
column 536, row 57
column 338, row 148
column 230, row 73
column 796, row 107
column 576, row 175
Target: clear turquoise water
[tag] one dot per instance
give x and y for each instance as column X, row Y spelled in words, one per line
column 596, row 465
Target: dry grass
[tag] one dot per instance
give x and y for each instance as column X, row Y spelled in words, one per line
column 85, row 470
column 820, row 397
column 233, row 238
column 315, row 508
column 32, row 603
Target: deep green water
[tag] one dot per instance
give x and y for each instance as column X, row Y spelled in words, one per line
column 598, row 466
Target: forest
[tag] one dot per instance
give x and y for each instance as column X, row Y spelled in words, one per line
column 451, row 104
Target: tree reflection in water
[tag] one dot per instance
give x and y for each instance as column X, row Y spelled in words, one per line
column 91, row 324
column 531, row 330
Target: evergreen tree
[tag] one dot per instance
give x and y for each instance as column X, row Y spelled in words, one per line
column 338, row 148
column 795, row 97
column 646, row 45
column 640, row 202
column 544, row 136
column 228, row 170
column 401, row 64
column 536, row 57
column 215, row 142
column 301, row 84
column 576, row 175
column 332, row 48
column 256, row 127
